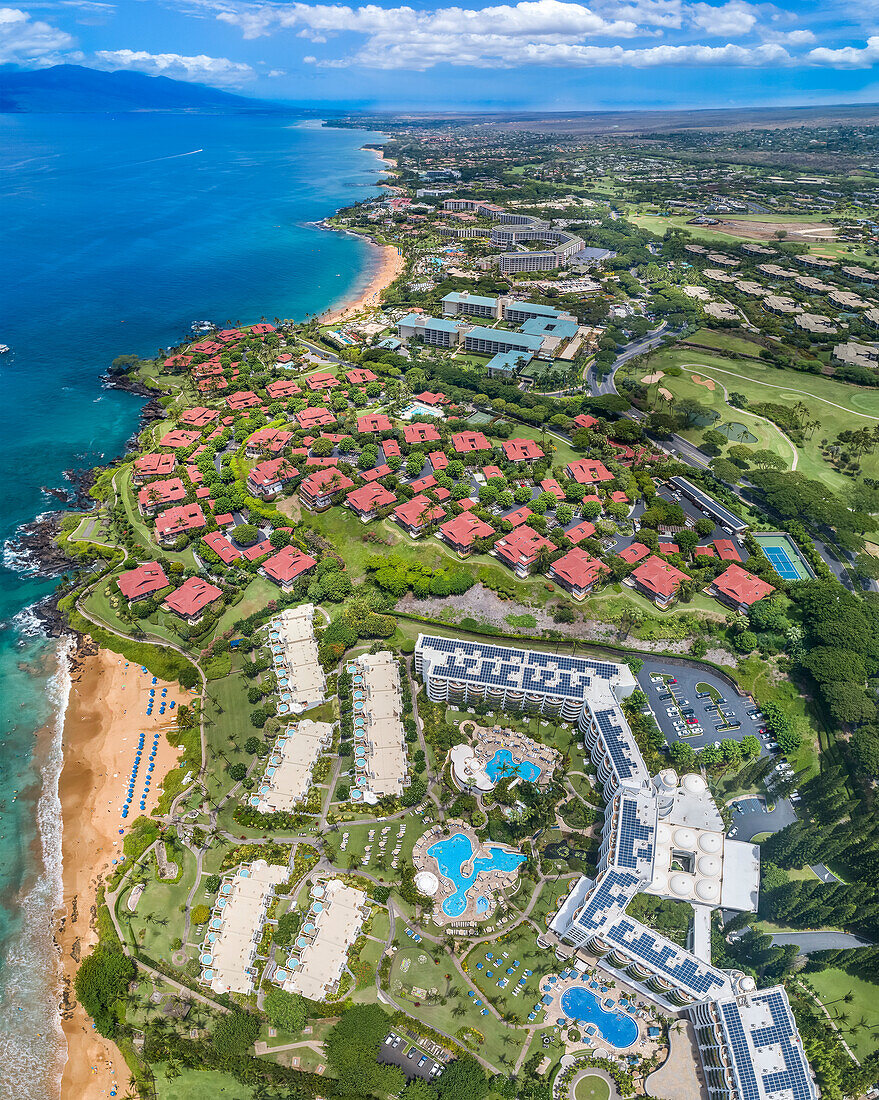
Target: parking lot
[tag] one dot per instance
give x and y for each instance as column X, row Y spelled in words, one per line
column 752, row 817
column 398, row 1051
column 673, row 699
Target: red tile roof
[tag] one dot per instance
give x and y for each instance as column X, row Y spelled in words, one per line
column 179, row 439
column 322, row 381
column 578, row 568
column 154, row 465
column 422, row 483
column 193, row 596
column 550, row 485
column 522, row 450
column 142, row 581
column 584, row 420
column 428, row 398
column 465, row 442
column 313, row 417
column 659, row 577
column 518, row 516
column 185, row 517
column 391, row 448
column 258, row 549
column 726, row 550
column 224, row 520
column 370, row 497
column 325, row 481
column 619, row 497
column 284, row 387
column 488, row 472
column 270, row 472
column 288, row 564
column 583, row 530
column 742, row 586
column 374, row 422
column 634, row 552
column 360, row 376
column 161, row 492
column 439, row 460
column 418, row 512
column 704, row 552
column 465, row 528
column 420, row 433
column 586, row 471
column 221, row 546
column 521, row 546
column 262, row 329
column 199, row 417
column 375, row 473
column 243, row 399
column 669, row 548
column 272, row 440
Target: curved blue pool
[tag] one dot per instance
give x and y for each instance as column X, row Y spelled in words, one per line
column 451, row 855
column 502, row 765
column 615, row 1027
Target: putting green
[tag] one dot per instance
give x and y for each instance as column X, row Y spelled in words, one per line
column 592, row 1088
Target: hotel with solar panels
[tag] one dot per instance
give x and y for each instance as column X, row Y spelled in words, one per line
column 662, row 835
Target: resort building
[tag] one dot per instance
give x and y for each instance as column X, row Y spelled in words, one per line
column 380, row 742
column 440, row 332
column 367, row 500
column 468, row 442
column 335, row 918
column 490, row 341
column 521, row 450
column 284, row 387
column 243, row 399
column 192, row 597
column 268, row 479
column 659, row 580
column 420, row 433
column 137, row 584
column 361, row 376
column 178, row 521
column 416, row 514
column 228, row 953
column 373, row 422
column 285, row 567
column 199, row 417
column 739, row 589
column 178, row 439
column 221, row 546
column 521, row 548
column 506, row 364
column 461, row 303
column 578, row 572
column 159, row 494
column 462, row 531
column 287, row 778
column 301, row 683
column 267, row 441
column 855, row 354
column 150, row 467
column 588, row 471
column 318, row 489
column 317, row 416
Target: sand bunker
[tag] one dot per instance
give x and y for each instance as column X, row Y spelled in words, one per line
column 649, row 379
column 707, row 382
column 663, row 392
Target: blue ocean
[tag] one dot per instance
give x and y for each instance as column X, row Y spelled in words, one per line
column 116, row 233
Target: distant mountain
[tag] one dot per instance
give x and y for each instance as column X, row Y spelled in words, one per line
column 72, row 89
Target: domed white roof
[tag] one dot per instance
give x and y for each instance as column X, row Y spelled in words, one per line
column 659, row 883
column 747, row 983
column 693, row 783
column 710, row 842
column 663, row 834
column 708, row 866
column 426, row 883
column 680, row 885
column 668, row 779
column 685, row 838
column 707, row 890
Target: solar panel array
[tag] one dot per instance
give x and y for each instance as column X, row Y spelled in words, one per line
column 628, row 764
column 613, row 892
column 518, row 670
column 767, row 1057
column 665, row 958
column 636, row 833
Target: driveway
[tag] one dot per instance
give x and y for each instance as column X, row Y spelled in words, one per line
column 734, row 707
column 751, row 817
column 819, row 941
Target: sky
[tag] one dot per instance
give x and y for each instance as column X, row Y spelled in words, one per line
column 536, row 54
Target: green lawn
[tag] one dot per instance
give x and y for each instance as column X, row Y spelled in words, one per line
column 550, row 898
column 725, row 341
column 358, row 838
column 157, row 921
column 592, row 1088
column 832, row 985
column 227, row 727
column 519, row 945
column 128, row 493
column 257, row 594
column 200, row 1085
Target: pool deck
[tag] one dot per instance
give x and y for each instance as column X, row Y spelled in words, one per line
column 487, row 741
column 487, row 884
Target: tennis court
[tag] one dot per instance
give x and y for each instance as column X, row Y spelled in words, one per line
column 784, row 556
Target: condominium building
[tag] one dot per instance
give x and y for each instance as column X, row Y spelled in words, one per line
column 441, row 332
column 379, row 739
column 490, row 341
column 293, row 647
column 287, row 778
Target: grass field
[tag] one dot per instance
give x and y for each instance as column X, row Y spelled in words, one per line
column 838, row 407
column 592, row 1088
column 200, row 1085
column 519, row 945
column 832, row 985
column 128, row 492
column 725, row 341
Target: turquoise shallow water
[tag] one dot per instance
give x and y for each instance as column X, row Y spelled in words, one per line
column 451, row 855
column 118, row 232
column 616, row 1028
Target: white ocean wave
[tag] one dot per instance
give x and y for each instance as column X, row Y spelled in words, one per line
column 33, row 1049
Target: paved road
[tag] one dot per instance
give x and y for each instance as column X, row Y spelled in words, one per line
column 607, row 384
column 819, row 941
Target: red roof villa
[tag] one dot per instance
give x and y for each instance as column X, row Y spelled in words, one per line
column 416, row 514
column 322, row 381
column 318, row 489
column 243, row 399
column 634, row 552
column 314, row 417
column 374, row 422
column 658, row 580
column 267, row 440
column 462, row 531
column 177, row 521
column 439, row 460
column 288, row 564
column 221, row 546
column 467, row 442
column 192, row 597
column 179, row 439
column 199, row 417
column 143, row 581
column 159, row 494
column 582, row 530
column 726, row 550
column 148, row 467
column 360, row 376
column 577, row 572
column 522, row 450
column 268, row 478
column 739, row 589
column 367, row 500
column 584, row 420
column 420, row 433
column 284, row 387
column 519, row 549
column 586, row 471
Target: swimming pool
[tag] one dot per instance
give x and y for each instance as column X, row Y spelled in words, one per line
column 451, row 855
column 501, row 765
column 418, row 408
column 583, row 1006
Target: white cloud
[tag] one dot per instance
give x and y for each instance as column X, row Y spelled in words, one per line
column 734, row 19
column 209, row 70
column 30, row 41
column 847, row 57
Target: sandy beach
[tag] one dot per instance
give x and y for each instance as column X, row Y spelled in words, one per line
column 390, row 266
column 105, row 715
